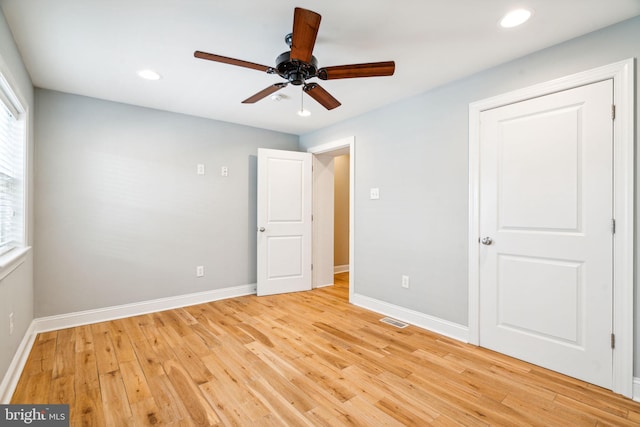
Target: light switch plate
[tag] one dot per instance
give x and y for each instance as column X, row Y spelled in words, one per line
column 374, row 194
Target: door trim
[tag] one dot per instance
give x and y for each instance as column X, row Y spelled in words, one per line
column 344, row 143
column 622, row 73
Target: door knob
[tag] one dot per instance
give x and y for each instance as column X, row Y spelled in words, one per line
column 487, row 241
column 261, row 229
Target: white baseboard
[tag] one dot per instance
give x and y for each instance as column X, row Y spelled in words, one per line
column 10, row 380
column 636, row 389
column 340, row 269
column 431, row 323
column 62, row 321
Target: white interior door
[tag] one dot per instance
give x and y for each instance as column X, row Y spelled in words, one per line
column 546, row 180
column 284, row 222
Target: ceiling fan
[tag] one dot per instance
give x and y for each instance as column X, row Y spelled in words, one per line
column 299, row 65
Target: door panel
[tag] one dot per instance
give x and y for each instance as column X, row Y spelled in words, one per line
column 285, row 195
column 285, row 257
column 284, row 221
column 546, row 202
column 541, row 297
column 540, row 192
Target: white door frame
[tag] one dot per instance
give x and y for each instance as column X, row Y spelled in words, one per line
column 622, row 73
column 350, row 143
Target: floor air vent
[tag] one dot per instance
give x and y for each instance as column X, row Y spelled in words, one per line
column 394, row 322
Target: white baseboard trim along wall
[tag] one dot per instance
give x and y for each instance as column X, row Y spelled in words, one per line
column 434, row 324
column 636, row 389
column 51, row 323
column 340, row 268
column 10, row 380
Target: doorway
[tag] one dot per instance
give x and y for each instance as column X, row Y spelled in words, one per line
column 330, row 169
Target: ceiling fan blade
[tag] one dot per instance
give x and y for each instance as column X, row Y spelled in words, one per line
column 318, row 93
column 305, row 30
column 230, row 61
column 264, row 93
column 373, row 69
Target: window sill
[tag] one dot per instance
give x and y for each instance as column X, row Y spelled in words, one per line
column 12, row 260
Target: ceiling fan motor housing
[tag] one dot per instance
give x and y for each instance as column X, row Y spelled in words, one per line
column 296, row 72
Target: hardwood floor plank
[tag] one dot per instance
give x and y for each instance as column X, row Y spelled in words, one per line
column 64, row 354
column 326, row 378
column 306, row 358
column 42, row 356
column 148, row 359
column 117, row 410
column 227, row 400
column 121, row 341
column 146, row 413
column 280, row 407
column 192, row 364
column 36, row 388
column 192, row 398
column 548, row 412
column 135, row 382
column 168, row 401
column 105, row 354
column 84, row 339
column 62, row 390
column 88, row 410
column 363, row 411
column 421, row 411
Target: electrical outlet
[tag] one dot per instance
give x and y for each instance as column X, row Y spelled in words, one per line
column 374, row 193
column 200, row 271
column 200, row 169
column 11, row 325
column 224, row 171
column 405, row 281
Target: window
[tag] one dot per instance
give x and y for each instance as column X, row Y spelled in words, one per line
column 12, row 169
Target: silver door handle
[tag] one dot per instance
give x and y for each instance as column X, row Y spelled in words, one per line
column 261, row 229
column 486, row 241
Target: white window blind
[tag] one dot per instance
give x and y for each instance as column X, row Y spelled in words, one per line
column 12, row 149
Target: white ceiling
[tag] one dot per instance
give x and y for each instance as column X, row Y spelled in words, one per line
column 95, row 48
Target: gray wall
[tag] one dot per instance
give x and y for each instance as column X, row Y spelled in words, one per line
column 122, row 216
column 416, row 152
column 16, row 290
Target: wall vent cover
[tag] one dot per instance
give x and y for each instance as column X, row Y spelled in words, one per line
column 394, row 322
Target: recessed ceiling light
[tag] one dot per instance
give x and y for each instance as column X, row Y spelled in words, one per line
column 149, row 75
column 515, row 18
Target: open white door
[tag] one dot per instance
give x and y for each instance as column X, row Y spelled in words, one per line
column 284, row 221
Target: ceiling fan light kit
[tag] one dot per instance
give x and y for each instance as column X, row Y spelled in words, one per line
column 298, row 64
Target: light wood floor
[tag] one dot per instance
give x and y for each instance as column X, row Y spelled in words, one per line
column 299, row 359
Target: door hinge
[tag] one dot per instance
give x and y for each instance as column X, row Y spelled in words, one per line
column 613, row 341
column 613, row 226
column 311, row 267
column 613, row 111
